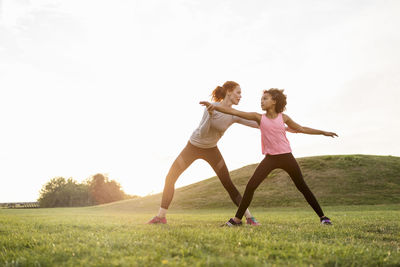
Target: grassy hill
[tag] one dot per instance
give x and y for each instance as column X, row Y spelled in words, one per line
column 335, row 180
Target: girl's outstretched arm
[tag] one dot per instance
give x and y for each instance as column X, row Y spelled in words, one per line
column 245, row 115
column 298, row 128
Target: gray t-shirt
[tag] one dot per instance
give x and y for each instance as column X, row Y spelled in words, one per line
column 212, row 128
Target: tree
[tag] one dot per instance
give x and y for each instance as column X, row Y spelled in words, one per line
column 59, row 192
column 104, row 191
column 50, row 192
column 98, row 189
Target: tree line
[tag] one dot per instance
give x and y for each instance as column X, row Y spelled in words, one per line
column 98, row 189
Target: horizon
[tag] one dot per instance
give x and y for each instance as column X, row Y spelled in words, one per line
column 92, row 87
column 201, row 180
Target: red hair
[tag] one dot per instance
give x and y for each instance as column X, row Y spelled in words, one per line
column 219, row 93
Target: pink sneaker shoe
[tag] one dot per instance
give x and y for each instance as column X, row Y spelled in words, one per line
column 252, row 221
column 157, row 220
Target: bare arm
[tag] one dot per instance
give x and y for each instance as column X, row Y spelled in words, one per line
column 249, row 123
column 290, row 130
column 254, row 116
column 300, row 129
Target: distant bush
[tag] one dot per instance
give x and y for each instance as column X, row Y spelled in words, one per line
column 98, row 189
column 102, row 190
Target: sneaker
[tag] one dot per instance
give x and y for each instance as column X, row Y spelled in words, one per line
column 157, row 220
column 232, row 223
column 325, row 220
column 252, row 221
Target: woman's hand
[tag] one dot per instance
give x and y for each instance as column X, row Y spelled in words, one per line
column 210, row 107
column 331, row 134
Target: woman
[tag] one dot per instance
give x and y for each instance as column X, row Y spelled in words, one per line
column 276, row 148
column 203, row 145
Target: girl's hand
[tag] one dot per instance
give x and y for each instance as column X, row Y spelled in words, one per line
column 331, row 134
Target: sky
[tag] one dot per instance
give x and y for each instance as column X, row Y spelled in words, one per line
column 113, row 87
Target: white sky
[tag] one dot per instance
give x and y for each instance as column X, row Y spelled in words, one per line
column 113, row 86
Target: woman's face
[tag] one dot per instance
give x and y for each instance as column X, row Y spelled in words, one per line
column 267, row 101
column 235, row 95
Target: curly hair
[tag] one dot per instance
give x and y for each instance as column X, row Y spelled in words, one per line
column 279, row 97
column 219, row 93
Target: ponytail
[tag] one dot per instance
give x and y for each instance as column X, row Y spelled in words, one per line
column 219, row 92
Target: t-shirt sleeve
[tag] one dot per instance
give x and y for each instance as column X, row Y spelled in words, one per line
column 205, row 123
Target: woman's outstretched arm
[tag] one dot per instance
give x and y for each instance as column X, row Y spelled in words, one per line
column 301, row 129
column 245, row 115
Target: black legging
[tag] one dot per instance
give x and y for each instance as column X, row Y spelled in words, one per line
column 282, row 161
column 189, row 154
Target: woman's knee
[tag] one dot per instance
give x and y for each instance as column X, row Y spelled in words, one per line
column 170, row 180
column 173, row 173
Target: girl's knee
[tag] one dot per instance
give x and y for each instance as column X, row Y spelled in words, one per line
column 303, row 188
column 251, row 187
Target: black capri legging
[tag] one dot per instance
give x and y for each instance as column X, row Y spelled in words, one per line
column 282, row 161
column 189, row 154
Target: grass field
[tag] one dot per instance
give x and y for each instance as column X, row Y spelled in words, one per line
column 361, row 236
column 115, row 234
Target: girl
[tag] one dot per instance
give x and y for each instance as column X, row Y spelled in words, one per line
column 203, row 145
column 276, row 148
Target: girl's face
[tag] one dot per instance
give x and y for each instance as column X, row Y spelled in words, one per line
column 235, row 95
column 267, row 102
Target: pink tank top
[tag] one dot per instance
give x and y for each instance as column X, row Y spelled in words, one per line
column 273, row 136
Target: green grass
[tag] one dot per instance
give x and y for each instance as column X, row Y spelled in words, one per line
column 334, row 180
column 361, row 236
column 348, row 187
